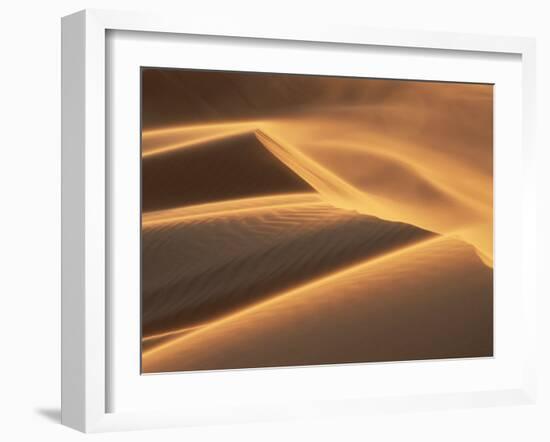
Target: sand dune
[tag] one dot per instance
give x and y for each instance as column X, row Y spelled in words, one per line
column 430, row 300
column 199, row 267
column 297, row 220
column 407, row 151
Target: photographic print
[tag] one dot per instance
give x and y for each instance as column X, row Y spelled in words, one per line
column 298, row 220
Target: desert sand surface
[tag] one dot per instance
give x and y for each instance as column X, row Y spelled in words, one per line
column 299, row 220
column 230, row 259
column 432, row 299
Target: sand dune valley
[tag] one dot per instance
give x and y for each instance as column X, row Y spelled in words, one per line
column 292, row 220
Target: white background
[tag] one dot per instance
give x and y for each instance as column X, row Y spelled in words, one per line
column 30, row 221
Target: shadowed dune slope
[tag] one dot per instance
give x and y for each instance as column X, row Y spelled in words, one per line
column 428, row 300
column 197, row 268
column 236, row 166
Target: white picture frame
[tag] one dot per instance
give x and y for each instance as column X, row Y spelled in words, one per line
column 86, row 353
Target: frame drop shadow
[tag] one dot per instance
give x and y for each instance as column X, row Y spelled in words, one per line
column 51, row 414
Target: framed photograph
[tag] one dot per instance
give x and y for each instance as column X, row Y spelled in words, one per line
column 265, row 222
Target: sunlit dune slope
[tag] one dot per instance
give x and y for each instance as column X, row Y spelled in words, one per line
column 197, row 267
column 432, row 299
column 232, row 167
